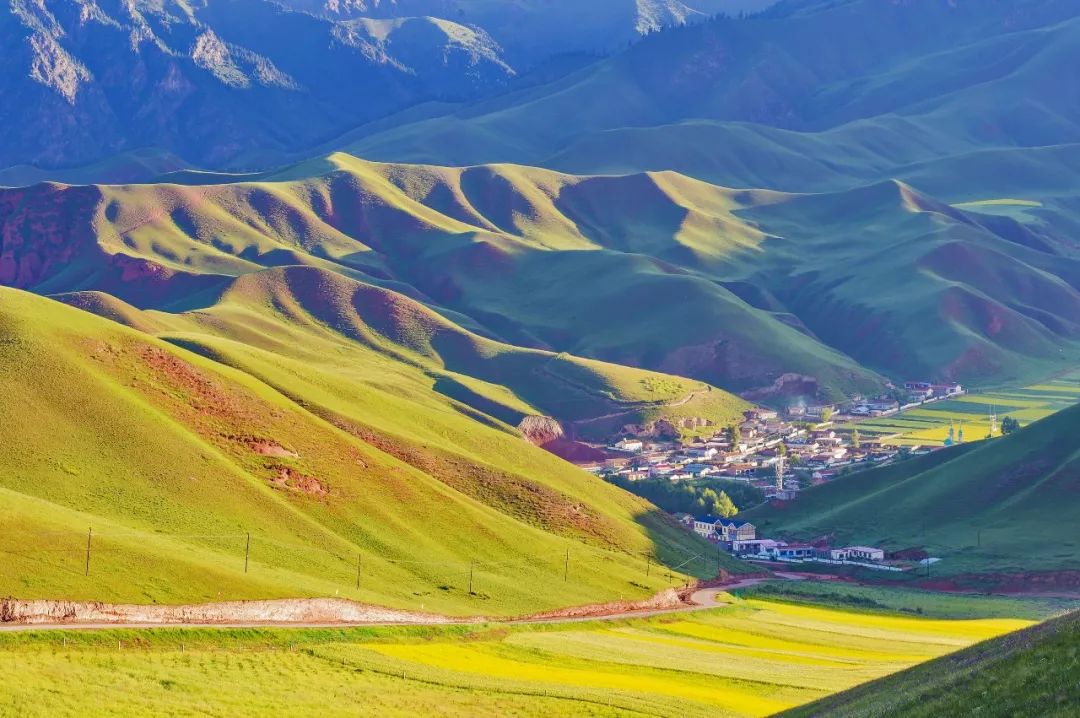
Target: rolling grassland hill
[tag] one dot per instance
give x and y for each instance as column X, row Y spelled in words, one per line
column 772, row 295
column 509, row 253
column 332, row 465
column 1030, row 672
column 998, row 507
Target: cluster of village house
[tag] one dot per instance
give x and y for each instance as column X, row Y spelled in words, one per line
column 740, row 538
column 771, row 452
column 768, row 450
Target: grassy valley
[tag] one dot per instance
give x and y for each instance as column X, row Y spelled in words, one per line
column 929, row 424
column 752, row 658
column 309, row 382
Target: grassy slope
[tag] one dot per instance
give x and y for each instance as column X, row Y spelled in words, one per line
column 172, row 458
column 993, row 506
column 751, row 659
column 481, row 245
column 753, row 284
column 1032, row 672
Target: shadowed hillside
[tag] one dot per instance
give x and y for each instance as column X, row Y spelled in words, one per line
column 804, row 95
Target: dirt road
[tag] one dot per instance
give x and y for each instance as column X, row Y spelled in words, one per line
column 700, row 600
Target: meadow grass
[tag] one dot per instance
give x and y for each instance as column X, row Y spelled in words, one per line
column 1030, row 672
column 906, row 601
column 752, row 658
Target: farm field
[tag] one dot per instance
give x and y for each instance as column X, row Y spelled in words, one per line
column 751, row 658
column 1029, row 673
column 929, row 424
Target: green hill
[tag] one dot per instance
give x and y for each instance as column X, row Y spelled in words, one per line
column 767, row 293
column 327, row 451
column 995, row 507
column 603, row 267
column 1030, row 672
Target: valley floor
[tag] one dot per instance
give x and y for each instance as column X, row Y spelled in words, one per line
column 752, row 657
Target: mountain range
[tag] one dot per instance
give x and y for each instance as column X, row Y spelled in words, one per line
column 245, row 83
column 533, row 31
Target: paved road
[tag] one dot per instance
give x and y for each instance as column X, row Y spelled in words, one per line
column 701, row 600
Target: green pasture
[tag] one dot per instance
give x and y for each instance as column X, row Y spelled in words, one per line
column 928, row 424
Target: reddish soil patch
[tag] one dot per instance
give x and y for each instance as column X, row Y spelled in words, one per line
column 540, row 430
column 265, row 447
column 513, row 495
column 293, row 480
column 784, row 385
column 665, row 600
column 205, row 395
column 575, row 451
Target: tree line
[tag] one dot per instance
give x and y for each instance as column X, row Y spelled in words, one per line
column 701, row 497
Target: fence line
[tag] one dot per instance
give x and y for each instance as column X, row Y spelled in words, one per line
column 342, row 565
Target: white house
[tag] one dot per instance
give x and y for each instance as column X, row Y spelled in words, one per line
column 865, row 553
column 754, row 547
column 633, row 446
column 853, row 553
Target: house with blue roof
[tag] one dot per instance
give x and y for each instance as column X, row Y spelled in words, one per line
column 719, row 529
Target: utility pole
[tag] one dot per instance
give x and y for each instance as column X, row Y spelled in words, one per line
column 648, row 565
column 89, row 536
column 359, row 567
column 566, row 567
column 247, row 552
column 471, row 564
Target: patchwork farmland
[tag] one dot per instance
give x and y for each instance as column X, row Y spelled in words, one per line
column 751, row 658
column 929, row 424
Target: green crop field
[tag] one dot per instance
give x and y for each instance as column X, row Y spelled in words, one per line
column 1029, row 673
column 752, row 658
column 911, row 602
column 928, row 425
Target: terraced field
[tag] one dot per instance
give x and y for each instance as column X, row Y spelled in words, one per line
column 929, row 424
column 752, row 658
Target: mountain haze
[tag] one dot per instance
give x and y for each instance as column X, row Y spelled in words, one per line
column 231, row 81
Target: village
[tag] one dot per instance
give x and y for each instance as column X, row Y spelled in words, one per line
column 778, row 454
